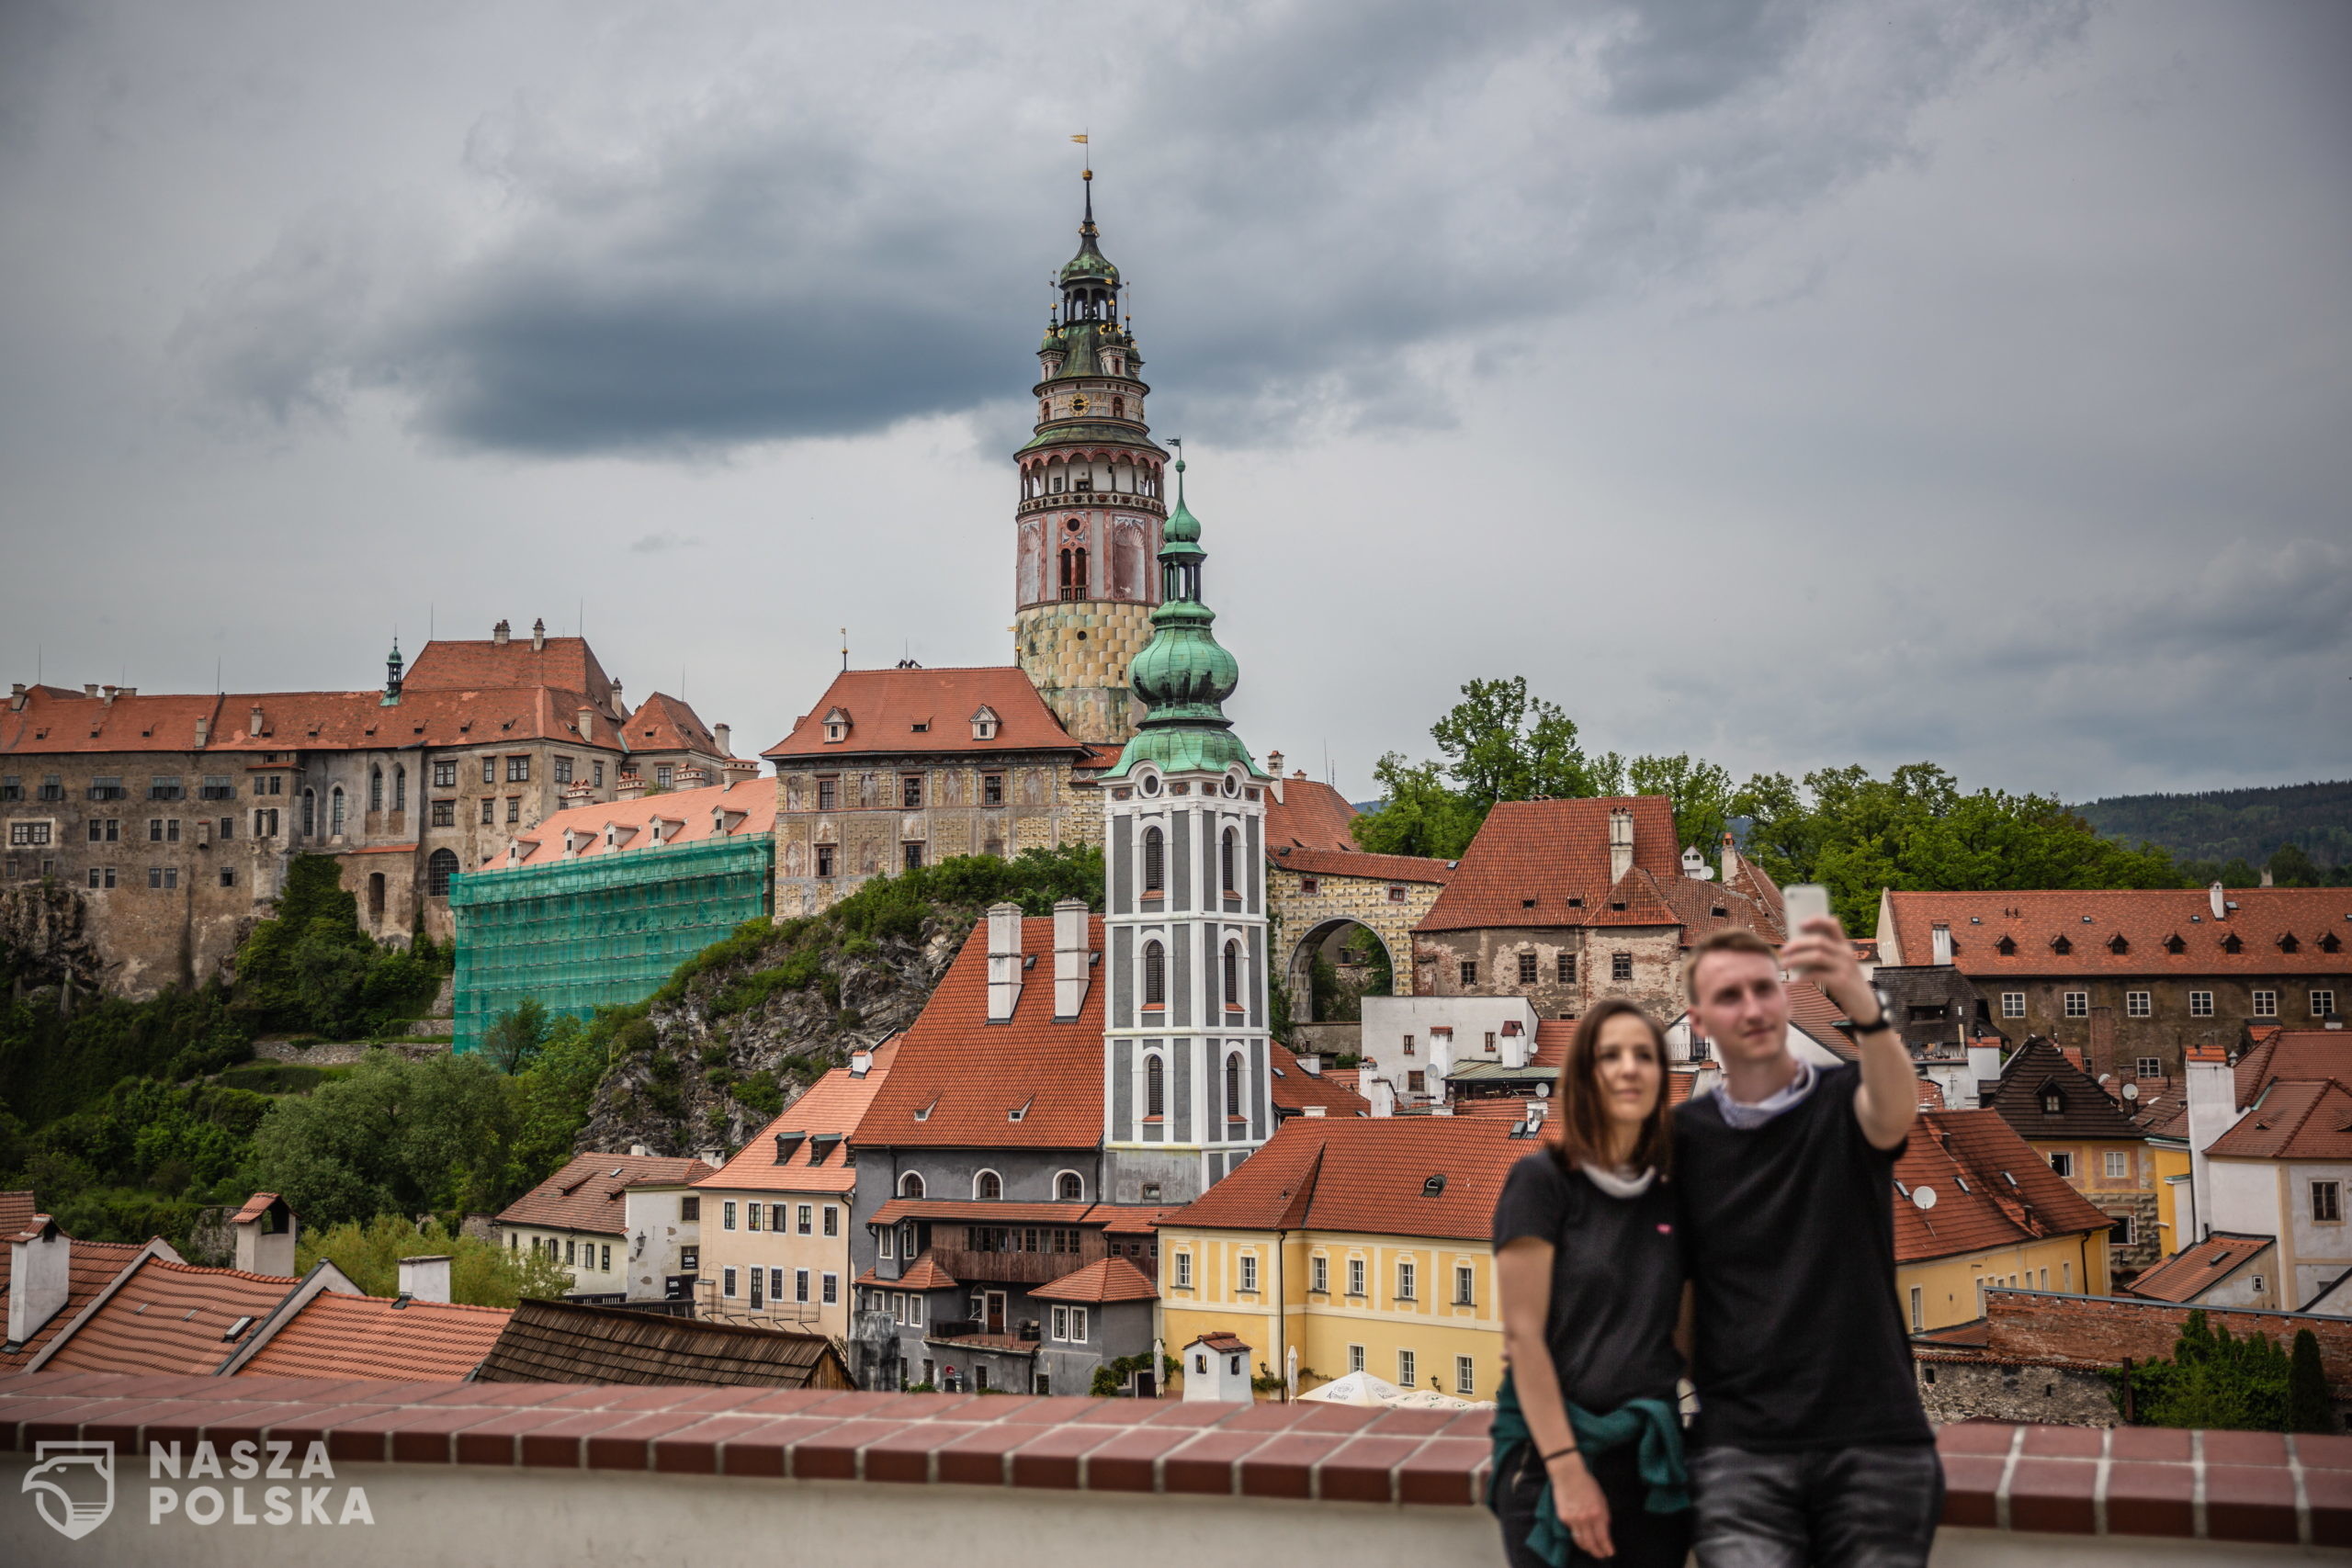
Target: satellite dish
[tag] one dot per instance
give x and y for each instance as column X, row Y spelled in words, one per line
column 1925, row 1197
column 2131, row 1092
column 1542, row 1091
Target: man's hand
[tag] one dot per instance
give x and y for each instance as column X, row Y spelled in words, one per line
column 1576, row 1499
column 1819, row 951
column 1887, row 1102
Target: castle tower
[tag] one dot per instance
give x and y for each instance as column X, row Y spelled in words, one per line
column 1092, row 506
column 1187, row 1091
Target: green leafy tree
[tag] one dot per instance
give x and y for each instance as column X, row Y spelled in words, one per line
column 2213, row 1381
column 1418, row 813
column 514, row 1038
column 481, row 1273
column 1498, row 744
column 2309, row 1409
column 310, row 967
column 1700, row 791
column 399, row 1136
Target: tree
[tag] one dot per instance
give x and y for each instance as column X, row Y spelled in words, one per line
column 513, row 1040
column 1700, row 791
column 1499, row 744
column 310, row 967
column 2213, row 1381
column 481, row 1273
column 2309, row 1409
column 395, row 1136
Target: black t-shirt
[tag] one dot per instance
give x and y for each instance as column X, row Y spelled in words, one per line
column 1616, row 1280
column 1790, row 1231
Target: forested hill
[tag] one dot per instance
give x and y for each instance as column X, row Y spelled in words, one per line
column 2235, row 824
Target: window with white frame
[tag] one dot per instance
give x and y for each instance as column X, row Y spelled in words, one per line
column 2119, row 1165
column 1466, row 1280
column 806, row 1219
column 1465, row 1375
column 1318, row 1274
column 1183, row 1270
column 775, row 1284
column 2078, row 1004
column 1069, row 1323
column 1249, row 1266
column 1918, row 1311
column 2323, row 1004
column 800, row 1285
column 2200, row 1004
column 1406, row 1370
column 1356, row 1276
column 833, row 1220
column 2137, row 1004
column 2327, row 1201
column 832, row 1286
column 2123, row 1232
column 2265, row 1004
column 1355, row 1358
column 726, row 1282
column 2062, row 1162
column 2012, row 1004
column 1405, row 1273
column 726, row 1219
column 2148, row 1068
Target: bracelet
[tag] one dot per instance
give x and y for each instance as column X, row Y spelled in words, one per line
column 1883, row 1023
column 1559, row 1453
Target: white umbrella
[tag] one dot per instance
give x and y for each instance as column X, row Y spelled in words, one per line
column 1430, row 1399
column 1356, row 1388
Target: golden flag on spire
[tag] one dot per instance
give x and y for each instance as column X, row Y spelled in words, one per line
column 1081, row 137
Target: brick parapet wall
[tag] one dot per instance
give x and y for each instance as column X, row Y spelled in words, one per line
column 2103, row 1330
column 2233, row 1486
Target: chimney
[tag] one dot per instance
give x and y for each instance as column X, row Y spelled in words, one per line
column 1311, row 1065
column 501, row 632
column 540, row 635
column 724, row 734
column 739, row 770
column 628, row 786
column 712, row 1158
column 252, row 722
column 110, row 692
column 39, row 1260
column 2265, row 879
column 89, row 688
column 861, row 1062
column 579, row 794
column 2214, row 896
column 1311, row 1110
column 426, row 1279
column 17, row 697
column 693, row 777
column 1004, row 961
column 587, row 720
column 638, row 1151
column 265, row 1229
column 1731, row 859
column 1621, row 844
column 1070, row 957
column 1383, row 1095
column 1939, row 945
column 203, row 731
column 1275, row 768
column 133, row 690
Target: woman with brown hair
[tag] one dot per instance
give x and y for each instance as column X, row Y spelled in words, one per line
column 1588, row 1443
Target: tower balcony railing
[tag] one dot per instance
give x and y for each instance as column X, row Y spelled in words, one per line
column 1119, row 497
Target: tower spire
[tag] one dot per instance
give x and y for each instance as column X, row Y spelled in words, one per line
column 1184, row 675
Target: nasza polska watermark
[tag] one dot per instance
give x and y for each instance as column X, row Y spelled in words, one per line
column 73, row 1486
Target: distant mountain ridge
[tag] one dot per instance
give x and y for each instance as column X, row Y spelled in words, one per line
column 2234, row 824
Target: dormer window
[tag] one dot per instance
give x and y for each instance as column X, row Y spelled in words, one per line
column 2052, row 1102
column 2174, row 945
column 836, row 725
column 2230, row 943
column 2117, row 946
column 984, row 724
column 2061, row 946
column 2008, row 947
column 2287, row 943
column 2330, row 942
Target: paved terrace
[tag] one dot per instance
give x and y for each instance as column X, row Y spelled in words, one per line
column 529, row 1473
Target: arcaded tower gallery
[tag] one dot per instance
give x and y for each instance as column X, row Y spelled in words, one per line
column 1090, row 505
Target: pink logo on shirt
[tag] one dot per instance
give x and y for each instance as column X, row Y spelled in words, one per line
column 1665, row 1230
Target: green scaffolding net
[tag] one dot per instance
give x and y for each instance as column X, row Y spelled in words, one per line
column 602, row 932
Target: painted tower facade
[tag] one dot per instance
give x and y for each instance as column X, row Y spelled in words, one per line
column 1186, row 1088
column 1091, row 508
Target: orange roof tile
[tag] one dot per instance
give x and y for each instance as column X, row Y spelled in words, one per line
column 1355, row 862
column 1990, row 1190
column 1369, row 1175
column 167, row 1317
column 90, row 1269
column 2302, row 1055
column 2295, row 1118
column 2144, row 920
column 313, row 721
column 885, row 706
column 1104, row 1280
column 1296, row 1088
column 2196, row 1269
column 1545, row 863
column 923, row 1274
column 1816, row 1017
column 336, row 1335
column 688, row 817
column 587, row 1194
column 830, row 1106
column 17, row 1209
column 1309, row 815
column 456, row 665
column 958, row 1078
column 664, row 723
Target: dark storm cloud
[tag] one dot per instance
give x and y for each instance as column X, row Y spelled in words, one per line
column 1342, row 207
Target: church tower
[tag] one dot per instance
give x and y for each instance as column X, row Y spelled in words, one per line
column 1187, row 1092
column 1091, row 506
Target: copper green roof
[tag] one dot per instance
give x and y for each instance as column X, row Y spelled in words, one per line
column 1076, row 431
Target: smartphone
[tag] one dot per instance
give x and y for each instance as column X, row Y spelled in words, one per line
column 1804, row 901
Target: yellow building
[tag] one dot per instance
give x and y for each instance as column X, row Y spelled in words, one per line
column 2096, row 1141
column 1975, row 1206
column 775, row 1219
column 1361, row 1244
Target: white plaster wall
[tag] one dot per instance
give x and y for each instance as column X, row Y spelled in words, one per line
column 2322, row 1251
column 2240, row 1195
column 1387, row 1019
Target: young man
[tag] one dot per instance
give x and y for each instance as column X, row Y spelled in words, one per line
column 1812, row 1447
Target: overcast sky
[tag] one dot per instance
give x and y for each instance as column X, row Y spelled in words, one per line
column 1794, row 384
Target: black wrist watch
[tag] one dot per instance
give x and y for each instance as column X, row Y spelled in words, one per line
column 1883, row 1022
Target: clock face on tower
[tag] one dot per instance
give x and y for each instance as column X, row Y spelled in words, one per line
column 1078, row 404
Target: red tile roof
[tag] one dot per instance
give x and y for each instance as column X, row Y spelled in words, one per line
column 566, row 662
column 923, row 1274
column 167, row 1317
column 1296, row 1088
column 2194, row 1269
column 958, row 1078
column 832, row 1105
column 1990, row 1190
column 1104, row 1280
column 2293, row 1120
column 1309, row 815
column 255, row 1207
column 2301, row 1056
column 17, row 1209
column 664, row 723
column 90, row 1269
column 1816, row 1017
column 1115, row 1219
column 885, row 706
column 1532, row 857
column 2085, row 1110
column 2145, row 920
column 686, row 814
column 1368, row 1176
column 315, row 721
column 587, row 1193
column 368, row 1337
column 1355, row 863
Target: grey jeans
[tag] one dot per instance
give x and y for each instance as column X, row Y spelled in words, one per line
column 1860, row 1507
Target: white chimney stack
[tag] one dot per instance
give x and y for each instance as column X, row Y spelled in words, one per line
column 1312, row 1110
column 426, row 1279
column 203, row 729
column 1939, row 945
column 1070, row 957
column 2219, row 901
column 1383, row 1095
column 1275, row 768
column 1621, row 844
column 264, row 1228
column 1731, row 859
column 40, row 1276
column 500, row 633
column 861, row 1062
column 725, row 735
column 739, row 770
column 539, row 635
column 628, row 786
column 1004, row 961
column 1311, row 1065
column 587, row 719
column 253, row 721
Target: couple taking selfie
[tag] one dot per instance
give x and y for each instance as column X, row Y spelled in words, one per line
column 1745, row 1240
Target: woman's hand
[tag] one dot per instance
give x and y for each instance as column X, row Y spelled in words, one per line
column 1576, row 1499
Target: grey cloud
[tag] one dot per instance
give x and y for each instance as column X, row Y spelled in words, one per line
column 1328, row 200
column 658, row 544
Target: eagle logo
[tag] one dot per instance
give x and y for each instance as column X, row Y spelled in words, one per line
column 73, row 1486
